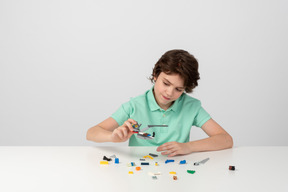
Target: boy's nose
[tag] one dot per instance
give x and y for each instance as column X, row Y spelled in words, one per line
column 169, row 92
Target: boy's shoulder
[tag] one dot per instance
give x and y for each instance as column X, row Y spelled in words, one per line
column 187, row 99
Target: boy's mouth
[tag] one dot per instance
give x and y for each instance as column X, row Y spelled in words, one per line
column 166, row 98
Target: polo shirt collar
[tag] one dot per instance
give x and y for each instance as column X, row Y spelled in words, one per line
column 154, row 106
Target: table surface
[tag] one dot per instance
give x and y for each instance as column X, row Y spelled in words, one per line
column 78, row 169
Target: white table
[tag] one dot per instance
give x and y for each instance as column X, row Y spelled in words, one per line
column 78, row 169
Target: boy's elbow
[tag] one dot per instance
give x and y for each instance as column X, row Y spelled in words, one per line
column 88, row 135
column 230, row 142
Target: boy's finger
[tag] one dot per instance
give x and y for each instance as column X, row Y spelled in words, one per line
column 132, row 121
column 120, row 135
column 128, row 124
column 125, row 133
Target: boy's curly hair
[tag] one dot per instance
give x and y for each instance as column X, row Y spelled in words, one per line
column 178, row 62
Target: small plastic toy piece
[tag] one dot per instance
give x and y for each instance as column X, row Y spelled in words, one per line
column 138, row 168
column 116, row 160
column 191, row 171
column 113, row 156
column 130, row 172
column 132, row 164
column 148, row 156
column 107, row 159
column 136, row 127
column 141, row 134
column 104, row 163
column 156, row 164
column 150, row 173
column 182, row 162
column 144, row 163
column 142, row 159
column 154, row 177
column 175, row 177
column 201, row 162
column 232, row 168
column 172, row 173
column 169, row 161
column 153, row 155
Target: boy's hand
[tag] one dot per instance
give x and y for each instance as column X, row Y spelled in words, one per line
column 174, row 148
column 124, row 132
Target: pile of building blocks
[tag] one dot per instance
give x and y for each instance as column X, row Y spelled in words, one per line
column 144, row 161
column 106, row 160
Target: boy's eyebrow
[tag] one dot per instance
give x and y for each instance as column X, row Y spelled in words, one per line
column 172, row 84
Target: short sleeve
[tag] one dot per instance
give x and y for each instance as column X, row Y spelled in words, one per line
column 122, row 114
column 201, row 117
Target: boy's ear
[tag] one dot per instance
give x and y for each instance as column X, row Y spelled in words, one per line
column 154, row 77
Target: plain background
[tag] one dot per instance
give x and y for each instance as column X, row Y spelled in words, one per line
column 67, row 65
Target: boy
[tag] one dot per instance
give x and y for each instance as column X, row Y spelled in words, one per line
column 166, row 103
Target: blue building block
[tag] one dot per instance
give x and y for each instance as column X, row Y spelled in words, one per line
column 169, row 161
column 116, row 160
column 183, row 162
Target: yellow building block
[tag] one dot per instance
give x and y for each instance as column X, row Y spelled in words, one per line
column 148, row 156
column 172, row 173
column 130, row 172
column 104, row 163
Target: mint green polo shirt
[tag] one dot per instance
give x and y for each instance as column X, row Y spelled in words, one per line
column 185, row 112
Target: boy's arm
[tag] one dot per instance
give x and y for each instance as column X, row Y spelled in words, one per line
column 110, row 131
column 103, row 131
column 218, row 139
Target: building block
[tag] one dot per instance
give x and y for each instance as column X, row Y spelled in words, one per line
column 107, row 159
column 154, row 177
column 191, row 171
column 182, row 162
column 138, row 168
column 169, row 161
column 232, row 168
column 144, row 163
column 132, row 164
column 104, row 163
column 116, row 160
column 130, row 172
column 172, row 173
column 201, row 162
column 175, row 177
column 148, row 156
column 157, row 173
column 153, row 155
column 113, row 156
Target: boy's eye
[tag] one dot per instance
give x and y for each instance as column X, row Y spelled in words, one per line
column 165, row 83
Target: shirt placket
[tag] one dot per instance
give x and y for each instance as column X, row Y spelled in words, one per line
column 164, row 121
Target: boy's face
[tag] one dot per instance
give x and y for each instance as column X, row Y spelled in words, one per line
column 167, row 89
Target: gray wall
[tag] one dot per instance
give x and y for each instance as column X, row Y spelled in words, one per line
column 67, row 65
